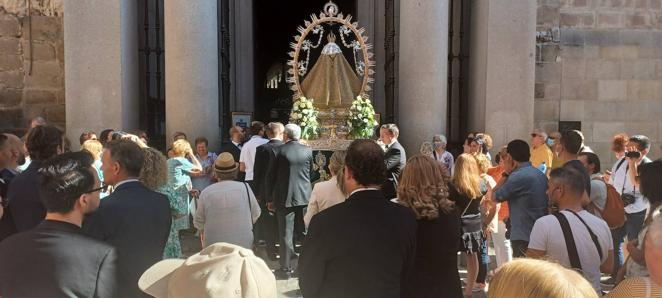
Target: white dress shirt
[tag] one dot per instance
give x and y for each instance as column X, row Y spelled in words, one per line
column 248, row 154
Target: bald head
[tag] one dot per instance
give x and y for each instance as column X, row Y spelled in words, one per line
column 653, row 249
column 17, row 149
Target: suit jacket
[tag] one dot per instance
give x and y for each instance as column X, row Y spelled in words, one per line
column 363, row 247
column 395, row 159
column 136, row 221
column 56, row 259
column 265, row 155
column 292, row 168
column 7, row 226
column 236, row 152
column 25, row 205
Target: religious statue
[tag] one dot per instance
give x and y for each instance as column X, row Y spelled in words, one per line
column 331, row 82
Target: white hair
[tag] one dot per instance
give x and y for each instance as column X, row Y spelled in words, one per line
column 293, row 131
column 442, row 138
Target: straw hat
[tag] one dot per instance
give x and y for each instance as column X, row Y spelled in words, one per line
column 220, row 270
column 225, row 164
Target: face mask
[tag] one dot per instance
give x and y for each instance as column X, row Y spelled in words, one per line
column 550, row 142
column 437, row 145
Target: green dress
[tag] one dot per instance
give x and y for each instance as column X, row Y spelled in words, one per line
column 179, row 169
column 178, row 208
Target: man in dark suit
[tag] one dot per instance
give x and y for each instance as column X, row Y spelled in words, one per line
column 265, row 156
column 26, row 208
column 12, row 155
column 365, row 246
column 395, row 159
column 133, row 219
column 56, row 259
column 234, row 147
column 291, row 191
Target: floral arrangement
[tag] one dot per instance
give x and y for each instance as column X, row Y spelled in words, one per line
column 361, row 121
column 305, row 114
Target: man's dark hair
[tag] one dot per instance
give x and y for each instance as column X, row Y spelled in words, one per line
column 572, row 179
column 256, row 128
column 128, row 154
column 178, row 135
column 365, row 159
column 64, row 178
column 643, row 142
column 592, row 159
column 497, row 158
column 572, row 141
column 519, row 150
column 650, row 175
column 201, row 140
column 43, row 142
column 103, row 136
column 85, row 136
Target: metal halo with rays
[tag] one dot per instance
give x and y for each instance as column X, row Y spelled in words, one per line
column 330, row 14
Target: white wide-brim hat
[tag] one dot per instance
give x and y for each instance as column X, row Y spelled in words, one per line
column 220, row 270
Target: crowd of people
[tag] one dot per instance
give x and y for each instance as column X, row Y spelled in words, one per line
column 105, row 221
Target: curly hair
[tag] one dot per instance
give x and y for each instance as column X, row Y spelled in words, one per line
column 43, row 142
column 424, row 188
column 365, row 159
column 154, row 173
column 484, row 164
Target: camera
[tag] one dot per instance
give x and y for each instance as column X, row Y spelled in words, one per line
column 633, row 154
column 628, row 199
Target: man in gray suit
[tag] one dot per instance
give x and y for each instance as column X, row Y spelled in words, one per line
column 291, row 191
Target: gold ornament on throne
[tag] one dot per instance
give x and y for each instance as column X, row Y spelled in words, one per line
column 332, row 83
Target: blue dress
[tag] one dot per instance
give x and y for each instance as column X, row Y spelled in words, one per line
column 179, row 179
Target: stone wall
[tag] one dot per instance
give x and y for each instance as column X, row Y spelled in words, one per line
column 603, row 67
column 25, row 94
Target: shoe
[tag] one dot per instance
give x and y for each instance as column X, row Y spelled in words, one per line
column 608, row 282
column 260, row 243
column 283, row 274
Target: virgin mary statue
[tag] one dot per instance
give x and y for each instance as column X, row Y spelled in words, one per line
column 331, row 82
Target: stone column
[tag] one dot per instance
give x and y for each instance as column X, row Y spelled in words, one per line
column 502, row 69
column 191, row 69
column 423, row 71
column 101, row 66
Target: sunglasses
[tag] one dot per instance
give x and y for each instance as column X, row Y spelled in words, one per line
column 533, row 135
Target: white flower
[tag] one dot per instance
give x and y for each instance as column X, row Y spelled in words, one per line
column 367, row 100
column 365, row 120
column 310, row 105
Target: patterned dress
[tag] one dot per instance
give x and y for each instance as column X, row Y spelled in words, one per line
column 178, row 209
column 179, row 169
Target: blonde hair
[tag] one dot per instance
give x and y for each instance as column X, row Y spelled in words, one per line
column 466, row 178
column 94, row 147
column 181, row 147
column 424, row 188
column 484, row 164
column 537, row 278
column 337, row 167
column 154, row 173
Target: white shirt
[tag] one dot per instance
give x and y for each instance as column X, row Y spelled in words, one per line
column 618, row 177
column 547, row 235
column 225, row 215
column 248, row 154
column 325, row 194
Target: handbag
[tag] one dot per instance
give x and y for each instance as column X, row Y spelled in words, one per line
column 250, row 210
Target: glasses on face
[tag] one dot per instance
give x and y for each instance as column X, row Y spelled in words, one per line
column 533, row 135
column 103, row 188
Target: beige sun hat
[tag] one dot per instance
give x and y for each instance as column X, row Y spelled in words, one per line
column 220, row 270
column 225, row 164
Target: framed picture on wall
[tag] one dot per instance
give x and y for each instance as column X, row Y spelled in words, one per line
column 242, row 119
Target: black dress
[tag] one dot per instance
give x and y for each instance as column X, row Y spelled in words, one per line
column 435, row 264
column 471, row 221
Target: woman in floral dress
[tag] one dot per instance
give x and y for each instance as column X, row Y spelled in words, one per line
column 181, row 166
column 154, row 175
